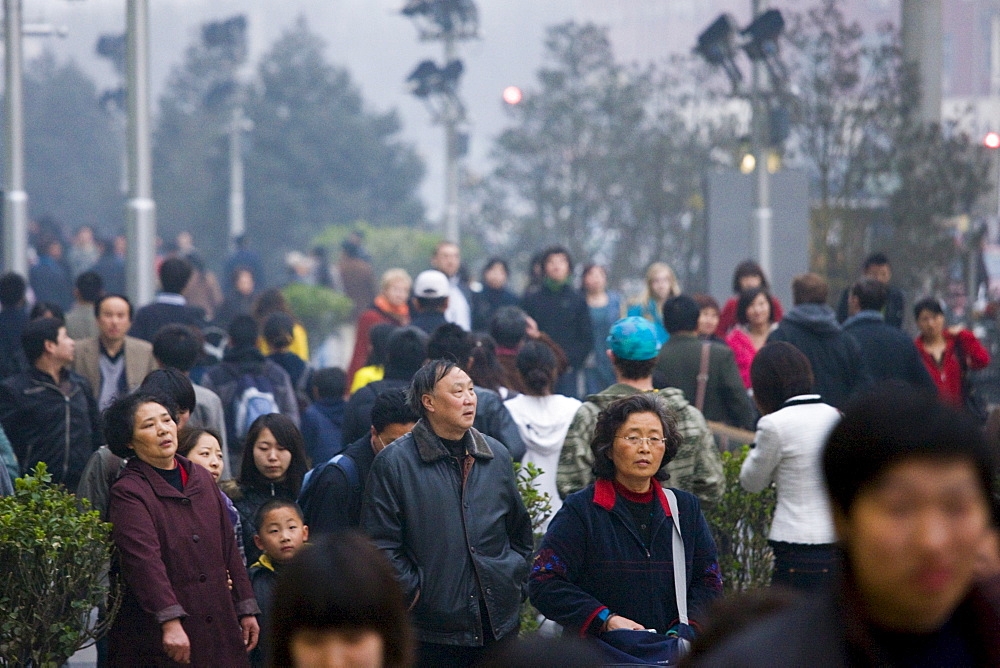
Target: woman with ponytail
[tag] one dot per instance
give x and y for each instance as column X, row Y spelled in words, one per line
column 542, row 417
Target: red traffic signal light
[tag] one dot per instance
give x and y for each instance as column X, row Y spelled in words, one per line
column 991, row 140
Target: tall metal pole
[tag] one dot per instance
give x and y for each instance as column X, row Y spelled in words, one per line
column 451, row 231
column 141, row 209
column 921, row 36
column 237, row 200
column 15, row 199
column 761, row 140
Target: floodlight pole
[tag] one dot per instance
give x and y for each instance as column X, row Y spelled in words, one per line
column 451, row 222
column 237, row 200
column 760, row 134
column 141, row 209
column 15, row 199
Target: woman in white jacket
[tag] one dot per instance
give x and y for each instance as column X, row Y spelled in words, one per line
column 787, row 451
column 542, row 418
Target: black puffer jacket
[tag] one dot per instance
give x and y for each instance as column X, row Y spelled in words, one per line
column 46, row 423
column 451, row 542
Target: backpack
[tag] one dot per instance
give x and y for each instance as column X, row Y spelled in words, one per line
column 341, row 461
column 254, row 397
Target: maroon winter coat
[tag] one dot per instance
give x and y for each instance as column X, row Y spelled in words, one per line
column 174, row 551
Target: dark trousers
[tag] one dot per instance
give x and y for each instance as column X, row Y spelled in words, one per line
column 803, row 567
column 434, row 655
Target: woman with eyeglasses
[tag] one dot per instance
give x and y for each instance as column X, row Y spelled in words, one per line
column 606, row 562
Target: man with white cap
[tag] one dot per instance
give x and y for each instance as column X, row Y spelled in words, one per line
column 430, row 300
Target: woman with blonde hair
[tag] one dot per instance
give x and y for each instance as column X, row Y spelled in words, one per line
column 390, row 306
column 661, row 285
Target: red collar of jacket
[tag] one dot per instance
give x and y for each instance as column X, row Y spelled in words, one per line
column 605, row 495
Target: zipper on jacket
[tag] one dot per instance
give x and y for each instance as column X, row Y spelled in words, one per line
column 469, row 548
column 66, row 455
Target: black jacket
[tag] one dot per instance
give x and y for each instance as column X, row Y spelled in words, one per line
column 828, row 630
column 835, row 357
column 453, row 540
column 47, row 424
column 888, row 352
column 247, row 501
column 564, row 316
column 12, row 359
column 150, row 318
column 332, row 502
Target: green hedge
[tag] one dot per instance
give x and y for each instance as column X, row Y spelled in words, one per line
column 55, row 555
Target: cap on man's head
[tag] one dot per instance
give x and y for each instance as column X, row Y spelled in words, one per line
column 633, row 338
column 431, row 284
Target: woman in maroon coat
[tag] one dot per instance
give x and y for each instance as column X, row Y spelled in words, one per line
column 176, row 551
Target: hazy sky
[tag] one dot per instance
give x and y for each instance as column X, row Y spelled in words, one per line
column 380, row 48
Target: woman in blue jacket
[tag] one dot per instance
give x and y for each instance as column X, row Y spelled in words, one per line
column 606, row 561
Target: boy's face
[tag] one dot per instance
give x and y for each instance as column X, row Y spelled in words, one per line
column 281, row 534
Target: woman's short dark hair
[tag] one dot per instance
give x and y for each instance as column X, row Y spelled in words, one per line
column 745, row 269
column 289, row 437
column 340, row 583
column 188, row 437
column 119, row 419
column 779, row 371
column 537, row 365
column 172, row 384
column 927, row 304
column 746, row 298
column 891, row 424
column 492, row 262
column 424, row 381
column 610, row 420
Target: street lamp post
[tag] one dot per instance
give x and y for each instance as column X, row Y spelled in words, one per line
column 761, row 142
column 15, row 199
column 141, row 209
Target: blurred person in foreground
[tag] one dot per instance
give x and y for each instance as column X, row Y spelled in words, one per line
column 337, row 604
column 911, row 483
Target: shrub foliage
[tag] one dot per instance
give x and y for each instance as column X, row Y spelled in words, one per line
column 54, row 552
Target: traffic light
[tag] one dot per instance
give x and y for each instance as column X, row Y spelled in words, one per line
column 991, row 140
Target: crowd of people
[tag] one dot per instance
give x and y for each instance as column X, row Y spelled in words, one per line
column 268, row 512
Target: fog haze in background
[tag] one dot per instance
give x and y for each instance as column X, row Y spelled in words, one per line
column 380, row 48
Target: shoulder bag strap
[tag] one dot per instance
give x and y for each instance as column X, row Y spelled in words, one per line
column 699, row 401
column 679, row 559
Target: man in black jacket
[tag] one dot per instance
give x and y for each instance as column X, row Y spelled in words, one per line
column 877, row 266
column 48, row 412
column 331, row 498
column 888, row 352
column 811, row 326
column 13, row 318
column 170, row 307
column 561, row 312
column 443, row 506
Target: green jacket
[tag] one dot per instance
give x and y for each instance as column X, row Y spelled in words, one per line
column 726, row 398
column 697, row 468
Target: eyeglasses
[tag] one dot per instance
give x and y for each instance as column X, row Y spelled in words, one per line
column 652, row 441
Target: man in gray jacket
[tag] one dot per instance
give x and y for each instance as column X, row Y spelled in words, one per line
column 442, row 504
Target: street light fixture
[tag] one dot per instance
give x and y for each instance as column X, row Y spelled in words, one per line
column 717, row 45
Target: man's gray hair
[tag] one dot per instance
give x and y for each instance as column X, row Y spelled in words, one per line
column 424, row 381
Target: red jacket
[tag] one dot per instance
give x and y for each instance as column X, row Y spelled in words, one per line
column 174, row 553
column 362, row 341
column 947, row 373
